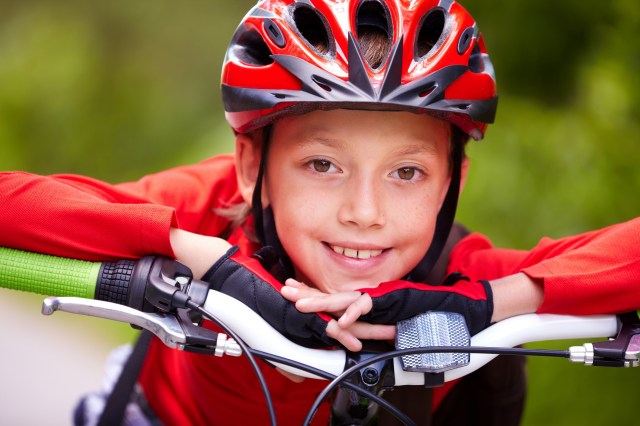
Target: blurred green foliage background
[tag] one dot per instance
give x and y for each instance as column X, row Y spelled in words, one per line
column 118, row 89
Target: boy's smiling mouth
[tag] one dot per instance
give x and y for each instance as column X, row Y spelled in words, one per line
column 355, row 253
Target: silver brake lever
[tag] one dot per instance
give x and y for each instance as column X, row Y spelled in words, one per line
column 165, row 327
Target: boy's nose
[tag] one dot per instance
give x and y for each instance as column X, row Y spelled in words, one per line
column 362, row 205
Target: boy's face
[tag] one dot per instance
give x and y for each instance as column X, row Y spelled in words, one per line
column 355, row 194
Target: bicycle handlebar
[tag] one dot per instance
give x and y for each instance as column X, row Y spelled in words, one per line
column 52, row 275
column 45, row 274
column 508, row 333
column 115, row 282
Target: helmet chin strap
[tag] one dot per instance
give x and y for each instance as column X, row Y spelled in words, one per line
column 265, row 226
column 444, row 221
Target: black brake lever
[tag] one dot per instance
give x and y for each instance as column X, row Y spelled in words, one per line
column 625, row 347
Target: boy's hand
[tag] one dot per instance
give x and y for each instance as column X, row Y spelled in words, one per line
column 349, row 306
column 245, row 279
column 398, row 300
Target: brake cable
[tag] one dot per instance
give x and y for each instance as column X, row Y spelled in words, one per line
column 248, row 352
column 425, row 350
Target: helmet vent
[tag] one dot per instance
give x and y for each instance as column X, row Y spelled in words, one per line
column 465, row 40
column 431, row 29
column 374, row 32
column 249, row 47
column 313, row 29
column 274, row 33
column 322, row 83
column 428, row 89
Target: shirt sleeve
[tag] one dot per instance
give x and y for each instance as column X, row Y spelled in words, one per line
column 591, row 273
column 80, row 217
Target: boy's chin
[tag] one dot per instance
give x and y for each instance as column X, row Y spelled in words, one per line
column 335, row 284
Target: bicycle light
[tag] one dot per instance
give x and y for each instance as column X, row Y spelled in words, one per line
column 433, row 329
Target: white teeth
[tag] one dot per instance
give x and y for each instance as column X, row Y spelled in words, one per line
column 350, row 252
column 356, row 254
column 364, row 254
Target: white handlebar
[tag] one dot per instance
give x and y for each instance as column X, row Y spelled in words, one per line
column 511, row 332
column 535, row 328
column 258, row 334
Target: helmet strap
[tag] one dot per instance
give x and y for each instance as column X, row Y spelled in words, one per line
column 256, row 199
column 444, row 221
column 265, row 225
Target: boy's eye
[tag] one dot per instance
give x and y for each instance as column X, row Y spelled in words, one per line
column 406, row 173
column 321, row 166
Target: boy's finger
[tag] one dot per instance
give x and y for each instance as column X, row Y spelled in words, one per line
column 292, row 294
column 366, row 331
column 295, row 290
column 345, row 337
column 291, row 282
column 336, row 302
column 360, row 306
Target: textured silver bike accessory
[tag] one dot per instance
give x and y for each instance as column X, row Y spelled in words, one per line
column 582, row 354
column 433, row 329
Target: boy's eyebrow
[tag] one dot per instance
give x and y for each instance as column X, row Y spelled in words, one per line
column 410, row 149
column 305, row 140
column 418, row 148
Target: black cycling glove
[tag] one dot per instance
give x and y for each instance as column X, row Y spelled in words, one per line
column 398, row 300
column 245, row 279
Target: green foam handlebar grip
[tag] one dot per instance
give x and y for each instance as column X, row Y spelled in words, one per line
column 47, row 275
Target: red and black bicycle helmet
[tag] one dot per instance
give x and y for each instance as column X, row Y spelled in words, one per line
column 293, row 56
column 288, row 57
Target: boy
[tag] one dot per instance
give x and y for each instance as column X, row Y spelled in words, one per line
column 351, row 119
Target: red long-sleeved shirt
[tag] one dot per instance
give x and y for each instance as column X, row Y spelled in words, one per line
column 83, row 218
